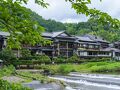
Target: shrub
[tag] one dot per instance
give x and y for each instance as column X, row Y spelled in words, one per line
column 74, row 59
column 7, row 56
column 104, row 59
column 7, row 70
column 4, row 85
column 65, row 69
column 38, row 59
column 26, row 54
column 59, row 60
column 42, row 58
column 45, row 59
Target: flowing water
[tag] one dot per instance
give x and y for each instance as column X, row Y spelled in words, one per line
column 77, row 81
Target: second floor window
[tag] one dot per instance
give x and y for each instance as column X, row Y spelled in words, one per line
column 91, row 46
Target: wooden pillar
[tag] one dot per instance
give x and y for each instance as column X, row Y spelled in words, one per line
column 53, row 52
column 58, row 48
column 67, row 49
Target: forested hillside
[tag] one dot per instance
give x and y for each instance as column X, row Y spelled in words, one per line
column 81, row 28
column 49, row 25
column 91, row 27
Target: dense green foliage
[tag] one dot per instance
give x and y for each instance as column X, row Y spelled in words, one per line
column 26, row 54
column 7, row 71
column 16, row 20
column 88, row 67
column 4, row 85
column 74, row 59
column 92, row 27
column 25, row 29
column 7, row 56
column 49, row 25
column 29, row 59
column 59, row 60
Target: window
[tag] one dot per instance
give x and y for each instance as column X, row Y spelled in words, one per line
column 96, row 46
column 81, row 53
column 84, row 45
column 91, row 46
column 92, row 53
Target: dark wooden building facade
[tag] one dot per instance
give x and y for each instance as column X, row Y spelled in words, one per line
column 65, row 45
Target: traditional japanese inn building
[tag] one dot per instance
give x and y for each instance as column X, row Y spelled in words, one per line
column 65, row 45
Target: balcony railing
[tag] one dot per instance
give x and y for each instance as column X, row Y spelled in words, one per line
column 47, row 48
column 96, row 55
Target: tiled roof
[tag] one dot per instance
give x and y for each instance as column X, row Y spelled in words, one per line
column 96, row 38
column 84, row 38
column 47, row 34
column 110, row 49
column 57, row 33
column 52, row 34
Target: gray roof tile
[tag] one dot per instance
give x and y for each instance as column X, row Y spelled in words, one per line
column 110, row 49
column 96, row 38
column 84, row 38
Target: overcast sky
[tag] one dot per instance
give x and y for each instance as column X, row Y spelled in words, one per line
column 60, row 10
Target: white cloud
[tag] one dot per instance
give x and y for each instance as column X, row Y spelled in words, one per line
column 112, row 7
column 61, row 11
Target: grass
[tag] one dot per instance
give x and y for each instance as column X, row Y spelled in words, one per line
column 7, row 71
column 5, row 85
column 88, row 67
column 26, row 76
column 34, row 76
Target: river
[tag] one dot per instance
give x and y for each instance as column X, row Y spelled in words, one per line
column 78, row 81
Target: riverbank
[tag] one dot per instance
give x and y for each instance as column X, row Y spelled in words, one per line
column 22, row 80
column 32, row 78
column 87, row 67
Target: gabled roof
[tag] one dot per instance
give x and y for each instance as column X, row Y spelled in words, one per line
column 47, row 34
column 54, row 34
column 96, row 38
column 84, row 38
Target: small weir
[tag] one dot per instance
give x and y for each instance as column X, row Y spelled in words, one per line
column 76, row 81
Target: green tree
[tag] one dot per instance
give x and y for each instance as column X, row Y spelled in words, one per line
column 81, row 7
column 17, row 21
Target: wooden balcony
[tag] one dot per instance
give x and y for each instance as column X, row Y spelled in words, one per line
column 94, row 55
